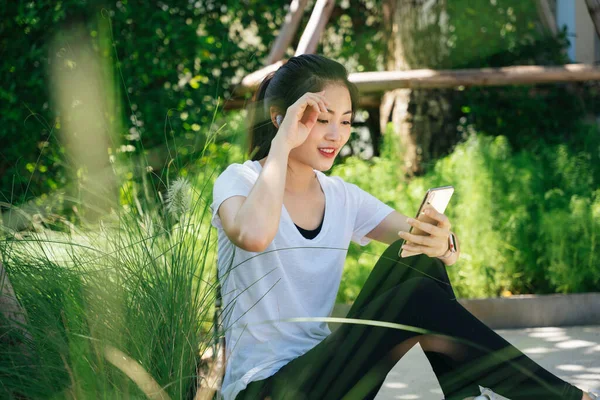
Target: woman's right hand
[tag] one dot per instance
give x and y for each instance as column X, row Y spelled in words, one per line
column 300, row 118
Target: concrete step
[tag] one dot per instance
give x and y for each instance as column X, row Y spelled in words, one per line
column 524, row 311
column 571, row 353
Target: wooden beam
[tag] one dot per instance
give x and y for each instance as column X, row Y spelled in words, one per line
column 369, row 82
column 287, row 32
column 379, row 82
column 251, row 81
column 593, row 7
column 547, row 16
column 314, row 27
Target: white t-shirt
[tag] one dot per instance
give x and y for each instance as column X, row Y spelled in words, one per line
column 284, row 281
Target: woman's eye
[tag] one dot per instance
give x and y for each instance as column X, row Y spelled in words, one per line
column 325, row 121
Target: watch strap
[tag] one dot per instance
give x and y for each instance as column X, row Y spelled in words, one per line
column 451, row 246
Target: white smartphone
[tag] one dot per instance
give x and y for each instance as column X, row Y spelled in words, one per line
column 439, row 198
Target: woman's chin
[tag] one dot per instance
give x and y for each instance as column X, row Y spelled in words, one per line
column 325, row 165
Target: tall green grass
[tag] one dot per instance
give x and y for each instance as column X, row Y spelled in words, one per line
column 119, row 304
column 136, row 285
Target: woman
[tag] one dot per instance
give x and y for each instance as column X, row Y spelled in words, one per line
column 284, row 229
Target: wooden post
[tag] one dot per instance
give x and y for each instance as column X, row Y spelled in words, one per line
column 593, row 7
column 314, row 27
column 547, row 16
column 287, row 32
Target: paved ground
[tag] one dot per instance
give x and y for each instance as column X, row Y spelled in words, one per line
column 572, row 353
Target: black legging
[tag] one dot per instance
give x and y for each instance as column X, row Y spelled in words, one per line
column 353, row 361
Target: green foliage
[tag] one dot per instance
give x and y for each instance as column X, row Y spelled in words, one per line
column 527, row 222
column 498, row 33
column 572, row 234
column 504, row 33
column 175, row 66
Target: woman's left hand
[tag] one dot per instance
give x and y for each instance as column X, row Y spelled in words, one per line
column 434, row 245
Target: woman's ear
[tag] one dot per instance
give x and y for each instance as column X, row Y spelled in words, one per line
column 276, row 116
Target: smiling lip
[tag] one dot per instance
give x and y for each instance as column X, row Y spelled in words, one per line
column 332, row 154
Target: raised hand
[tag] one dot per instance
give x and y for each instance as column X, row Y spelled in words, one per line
column 300, row 118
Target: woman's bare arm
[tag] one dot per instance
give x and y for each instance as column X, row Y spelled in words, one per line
column 253, row 224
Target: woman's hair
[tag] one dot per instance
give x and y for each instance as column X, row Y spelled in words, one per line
column 282, row 88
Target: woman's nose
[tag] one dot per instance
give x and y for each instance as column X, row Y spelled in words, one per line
column 333, row 132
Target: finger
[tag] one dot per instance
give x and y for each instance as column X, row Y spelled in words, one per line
column 424, row 240
column 416, row 249
column 324, row 106
column 305, row 116
column 427, row 227
column 408, row 246
column 322, row 103
column 320, row 96
column 313, row 104
column 410, row 251
column 318, row 100
column 430, row 211
column 306, row 99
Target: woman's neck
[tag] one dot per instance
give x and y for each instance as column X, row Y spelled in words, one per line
column 300, row 178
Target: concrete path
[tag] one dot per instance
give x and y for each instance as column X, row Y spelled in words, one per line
column 571, row 353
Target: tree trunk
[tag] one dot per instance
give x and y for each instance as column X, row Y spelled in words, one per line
column 593, row 7
column 415, row 33
column 547, row 17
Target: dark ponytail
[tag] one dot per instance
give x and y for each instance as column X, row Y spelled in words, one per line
column 282, row 88
column 262, row 131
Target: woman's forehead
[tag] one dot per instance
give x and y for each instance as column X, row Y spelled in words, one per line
column 339, row 96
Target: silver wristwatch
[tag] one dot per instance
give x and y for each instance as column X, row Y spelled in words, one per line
column 451, row 246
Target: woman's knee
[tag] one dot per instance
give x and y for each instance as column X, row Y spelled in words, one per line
column 419, row 286
column 415, row 287
column 412, row 294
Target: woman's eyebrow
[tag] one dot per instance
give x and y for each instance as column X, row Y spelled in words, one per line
column 333, row 112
